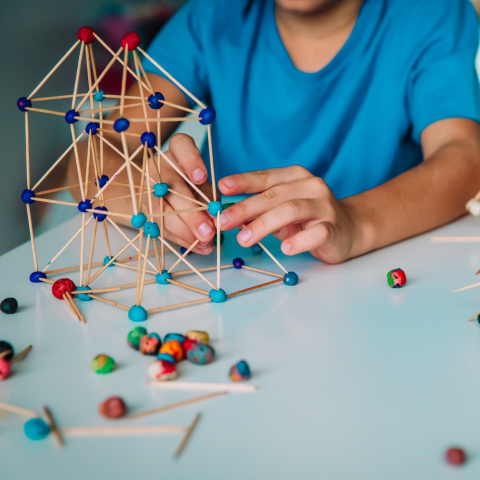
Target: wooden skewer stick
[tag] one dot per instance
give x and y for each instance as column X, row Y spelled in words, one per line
column 467, row 287
column 129, row 173
column 58, row 161
column 82, row 248
column 63, row 249
column 115, row 304
column 455, row 239
column 58, row 97
column 137, row 61
column 22, row 355
column 116, row 431
column 186, row 438
column 229, row 387
column 129, row 134
column 178, row 305
column 32, row 238
column 107, row 109
column 58, row 202
column 188, row 198
column 190, row 248
column 92, row 246
column 79, row 68
column 185, row 109
column 474, row 318
column 53, row 427
column 21, row 411
column 105, row 230
column 70, row 306
column 178, row 212
column 218, row 247
column 113, row 214
column 77, row 161
column 77, row 310
column 53, row 190
column 183, row 403
column 117, row 288
column 255, row 288
column 142, row 284
column 178, row 84
column 165, row 119
column 46, row 280
column 262, row 271
column 124, row 81
column 27, row 148
column 208, row 269
column 41, row 110
column 97, row 120
column 203, row 292
column 53, row 69
column 5, row 353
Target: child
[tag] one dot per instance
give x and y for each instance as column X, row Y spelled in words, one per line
column 354, row 121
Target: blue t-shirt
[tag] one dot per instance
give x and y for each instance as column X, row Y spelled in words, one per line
column 357, row 122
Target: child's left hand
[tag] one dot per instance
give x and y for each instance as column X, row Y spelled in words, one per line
column 295, row 206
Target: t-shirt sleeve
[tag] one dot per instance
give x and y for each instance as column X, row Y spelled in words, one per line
column 178, row 49
column 443, row 81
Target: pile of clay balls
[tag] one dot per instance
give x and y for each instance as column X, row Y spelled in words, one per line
column 193, row 346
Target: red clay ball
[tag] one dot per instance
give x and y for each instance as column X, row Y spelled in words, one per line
column 5, row 369
column 132, row 39
column 188, row 344
column 113, row 407
column 61, row 286
column 455, row 456
column 86, row 35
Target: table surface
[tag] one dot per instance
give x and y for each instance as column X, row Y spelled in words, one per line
column 357, row 380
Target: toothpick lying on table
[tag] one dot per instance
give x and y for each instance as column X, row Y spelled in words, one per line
column 53, row 427
column 22, row 355
column 21, row 411
column 176, row 385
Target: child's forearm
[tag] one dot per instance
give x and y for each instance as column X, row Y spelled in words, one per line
column 431, row 194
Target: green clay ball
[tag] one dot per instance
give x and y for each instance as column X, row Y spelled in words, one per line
column 103, row 364
column 222, row 238
column 134, row 335
column 226, row 205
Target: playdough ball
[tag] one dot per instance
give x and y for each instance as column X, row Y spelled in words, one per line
column 396, row 278
column 149, row 345
column 238, row 263
column 149, row 138
column 86, row 35
column 113, row 407
column 9, row 305
column 152, row 229
column 198, row 336
column 174, row 336
column 162, row 370
column 222, row 238
column 36, row 429
column 290, row 278
column 99, row 96
column 138, row 220
column 217, row 295
column 173, row 348
column 256, row 249
column 240, row 371
column 134, row 336
column 188, row 345
column 155, row 101
column 61, row 286
column 160, row 190
column 121, row 125
column 103, row 364
column 207, row 116
column 455, row 456
column 214, row 208
column 5, row 369
column 5, row 347
column 132, row 39
column 137, row 313
column 201, row 354
column 83, row 296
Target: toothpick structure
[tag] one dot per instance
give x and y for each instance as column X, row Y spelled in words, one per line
column 147, row 199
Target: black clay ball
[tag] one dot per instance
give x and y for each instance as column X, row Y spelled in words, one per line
column 9, row 305
column 5, row 346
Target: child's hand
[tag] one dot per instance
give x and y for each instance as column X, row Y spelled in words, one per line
column 296, row 207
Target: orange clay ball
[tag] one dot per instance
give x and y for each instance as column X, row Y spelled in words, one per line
column 174, row 348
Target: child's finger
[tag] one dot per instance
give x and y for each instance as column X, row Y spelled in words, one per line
column 188, row 158
column 292, row 211
column 261, row 180
column 309, row 239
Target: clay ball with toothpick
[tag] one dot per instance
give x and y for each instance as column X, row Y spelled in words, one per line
column 6, row 347
column 60, row 287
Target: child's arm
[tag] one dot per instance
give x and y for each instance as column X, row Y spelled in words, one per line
column 300, row 209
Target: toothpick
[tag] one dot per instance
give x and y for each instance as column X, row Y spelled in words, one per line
column 82, row 248
column 119, row 431
column 53, row 427
column 218, row 248
column 32, row 238
column 22, row 355
column 188, row 198
column 21, row 411
column 27, row 147
column 115, row 304
column 262, row 271
column 139, row 267
column 79, row 68
column 187, row 436
column 178, row 305
column 91, row 249
column 455, row 239
column 70, row 306
column 143, row 273
column 77, row 160
column 124, row 81
column 255, row 288
column 190, row 248
column 178, row 385
column 203, row 292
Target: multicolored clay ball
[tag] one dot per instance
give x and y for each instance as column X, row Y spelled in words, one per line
column 173, row 348
column 150, row 344
column 455, row 456
column 188, row 345
column 5, row 369
column 113, row 407
column 201, row 354
column 36, row 429
column 396, row 278
column 5, row 347
column 134, row 336
column 103, row 364
column 162, row 370
column 240, row 371
column 198, row 336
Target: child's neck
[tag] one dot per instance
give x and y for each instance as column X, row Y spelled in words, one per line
column 313, row 39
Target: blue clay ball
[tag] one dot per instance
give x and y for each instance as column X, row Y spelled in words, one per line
column 85, row 205
column 160, row 189
column 149, row 138
column 82, row 296
column 106, row 260
column 174, row 336
column 99, row 216
column 238, row 263
column 28, row 196
column 201, row 354
column 121, row 125
column 155, row 101
column 36, row 276
column 92, row 128
column 218, row 296
column 23, row 103
column 137, row 314
column 36, row 429
column 138, row 220
column 152, row 229
column 70, row 117
column 102, row 181
column 155, row 335
column 99, row 96
column 162, row 277
column 290, row 278
column 256, row 249
column 183, row 250
column 214, row 208
column 166, row 357
column 208, row 116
